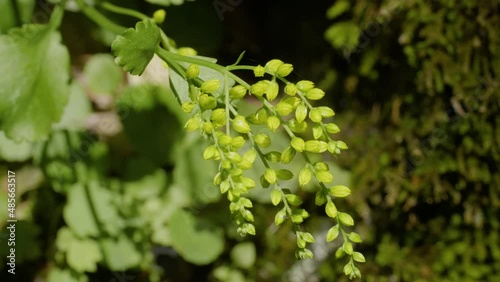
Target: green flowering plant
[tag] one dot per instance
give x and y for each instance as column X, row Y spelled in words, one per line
column 235, row 145
column 211, row 93
column 215, row 115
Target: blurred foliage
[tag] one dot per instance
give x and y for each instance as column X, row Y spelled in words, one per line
column 425, row 77
column 417, row 85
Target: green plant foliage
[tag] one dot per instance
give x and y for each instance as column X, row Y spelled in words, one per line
column 198, row 240
column 243, row 255
column 427, row 152
column 109, row 176
column 102, row 73
column 27, row 54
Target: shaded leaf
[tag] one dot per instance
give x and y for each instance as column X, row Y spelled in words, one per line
column 120, row 254
column 34, row 89
column 197, row 240
column 83, row 255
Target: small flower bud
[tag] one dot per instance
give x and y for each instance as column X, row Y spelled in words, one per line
column 187, row 51
column 347, row 248
column 210, row 152
column 250, row 155
column 207, row 127
column 284, row 174
column 245, row 165
column 298, row 144
column 259, row 71
column 294, row 101
column 296, row 126
column 207, row 102
column 280, row 217
column 305, row 85
column 317, row 131
column 193, row 123
column 301, row 113
column 290, row 89
column 192, row 71
column 226, row 164
column 332, row 128
column 276, row 197
column 259, row 88
column 234, row 157
column 240, row 124
column 237, row 92
column 293, row 199
column 296, row 218
column 320, row 198
column 224, row 139
column 321, row 166
column 341, row 145
column 288, row 155
column 273, row 156
column 305, row 176
column 159, row 16
column 262, row 140
column 332, row 146
column 340, row 191
column 248, row 217
column 187, row 107
column 315, row 94
column 270, row 175
column 218, row 114
column 248, row 182
column 272, row 91
column 261, row 115
column 324, row 176
column 273, row 65
column 346, row 219
column 210, row 86
column 315, row 146
column 284, row 70
column 263, row 182
column 273, row 122
column 284, row 109
column 315, row 115
column 332, row 234
column 238, row 142
column 331, row 209
column 326, row 112
column 217, row 179
column 224, row 186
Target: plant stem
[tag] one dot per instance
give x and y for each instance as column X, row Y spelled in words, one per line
column 124, row 11
column 99, row 18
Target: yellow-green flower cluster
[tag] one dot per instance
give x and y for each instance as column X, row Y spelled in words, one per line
column 285, row 106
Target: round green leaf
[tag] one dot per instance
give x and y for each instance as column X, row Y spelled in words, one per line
column 102, row 73
column 121, row 254
column 34, row 89
column 243, row 255
column 136, row 47
column 83, row 255
column 197, row 240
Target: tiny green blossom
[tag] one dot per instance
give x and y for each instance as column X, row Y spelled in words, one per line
column 284, row 70
column 237, row 92
column 210, row 86
column 291, row 89
column 273, row 122
column 259, row 71
column 241, row 125
column 192, row 71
